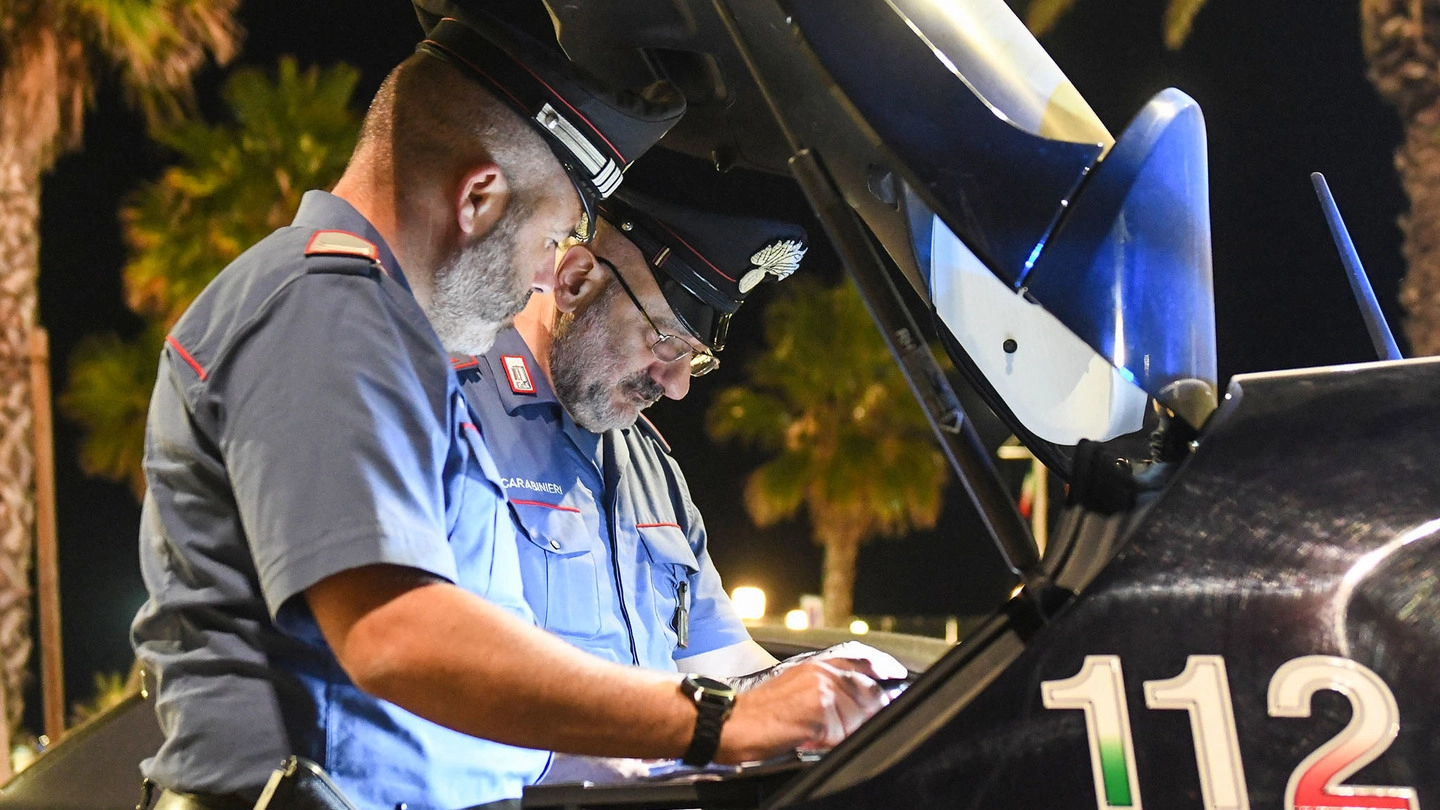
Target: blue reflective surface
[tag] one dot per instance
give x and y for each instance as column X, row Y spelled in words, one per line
column 1117, row 249
column 1129, row 269
column 998, row 187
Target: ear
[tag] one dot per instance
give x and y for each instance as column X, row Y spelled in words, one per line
column 578, row 278
column 481, row 199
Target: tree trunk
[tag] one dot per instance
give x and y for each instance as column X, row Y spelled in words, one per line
column 19, row 262
column 1401, row 39
column 1418, row 162
column 839, row 534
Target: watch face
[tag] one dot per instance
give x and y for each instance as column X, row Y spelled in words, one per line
column 703, row 686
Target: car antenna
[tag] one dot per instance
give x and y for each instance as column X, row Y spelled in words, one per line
column 1380, row 334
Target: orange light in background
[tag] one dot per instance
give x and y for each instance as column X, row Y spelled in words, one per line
column 797, row 619
column 749, row 603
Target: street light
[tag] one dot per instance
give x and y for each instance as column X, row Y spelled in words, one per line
column 749, row 603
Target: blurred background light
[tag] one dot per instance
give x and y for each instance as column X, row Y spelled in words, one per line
column 749, row 603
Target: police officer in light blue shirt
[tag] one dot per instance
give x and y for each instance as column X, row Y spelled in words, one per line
column 613, row 551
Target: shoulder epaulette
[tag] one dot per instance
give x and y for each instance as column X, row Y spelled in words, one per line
column 648, row 428
column 342, row 243
column 464, row 363
column 335, row 252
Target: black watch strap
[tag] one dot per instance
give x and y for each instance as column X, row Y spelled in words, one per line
column 713, row 702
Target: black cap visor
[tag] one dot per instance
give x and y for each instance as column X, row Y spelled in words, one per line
column 699, row 307
column 706, row 323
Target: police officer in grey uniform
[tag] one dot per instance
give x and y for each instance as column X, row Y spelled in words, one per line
column 330, row 559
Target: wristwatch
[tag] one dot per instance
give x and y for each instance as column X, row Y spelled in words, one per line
column 713, row 702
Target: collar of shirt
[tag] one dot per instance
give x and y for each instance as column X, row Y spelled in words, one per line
column 322, row 210
column 509, row 344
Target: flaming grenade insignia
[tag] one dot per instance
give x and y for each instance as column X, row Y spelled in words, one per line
column 778, row 259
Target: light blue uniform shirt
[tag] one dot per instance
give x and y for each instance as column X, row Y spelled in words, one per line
column 306, row 422
column 611, row 545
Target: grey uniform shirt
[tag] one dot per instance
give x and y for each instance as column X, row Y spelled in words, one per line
column 306, row 422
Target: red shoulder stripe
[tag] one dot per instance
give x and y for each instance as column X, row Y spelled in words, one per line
column 199, row 371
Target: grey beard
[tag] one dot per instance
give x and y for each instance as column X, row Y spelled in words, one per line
column 582, row 366
column 476, row 293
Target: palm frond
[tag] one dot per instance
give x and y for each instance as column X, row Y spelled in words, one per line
column 1179, row 19
column 235, row 182
column 46, row 86
column 1042, row 15
column 157, row 46
column 108, row 395
column 776, row 489
column 750, row 416
column 829, row 385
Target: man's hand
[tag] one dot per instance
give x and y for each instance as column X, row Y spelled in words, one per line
column 881, row 663
column 449, row 656
column 812, row 705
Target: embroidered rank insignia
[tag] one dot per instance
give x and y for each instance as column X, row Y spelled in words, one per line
column 518, row 372
column 778, row 259
column 341, row 243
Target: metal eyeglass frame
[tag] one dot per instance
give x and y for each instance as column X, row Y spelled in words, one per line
column 702, row 362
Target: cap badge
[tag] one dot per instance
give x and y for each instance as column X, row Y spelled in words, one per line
column 778, row 259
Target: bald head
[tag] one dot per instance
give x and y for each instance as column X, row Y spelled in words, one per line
column 429, row 124
column 467, row 194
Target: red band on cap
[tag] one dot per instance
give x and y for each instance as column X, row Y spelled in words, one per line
column 534, row 75
column 701, row 256
column 578, row 114
column 477, row 69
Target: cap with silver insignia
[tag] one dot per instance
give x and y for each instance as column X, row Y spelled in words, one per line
column 595, row 131
column 706, row 264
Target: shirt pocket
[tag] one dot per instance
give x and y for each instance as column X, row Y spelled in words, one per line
column 559, row 569
column 672, row 574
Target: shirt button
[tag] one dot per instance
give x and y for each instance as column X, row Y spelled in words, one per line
column 555, row 544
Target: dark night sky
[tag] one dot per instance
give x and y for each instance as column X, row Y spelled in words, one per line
column 1283, row 89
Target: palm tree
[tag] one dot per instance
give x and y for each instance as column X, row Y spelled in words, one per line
column 850, row 443
column 234, row 184
column 50, row 54
column 1401, row 39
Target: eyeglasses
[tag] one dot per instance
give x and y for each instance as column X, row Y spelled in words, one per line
column 668, row 348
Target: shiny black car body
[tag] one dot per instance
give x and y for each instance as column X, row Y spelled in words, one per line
column 1238, row 608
